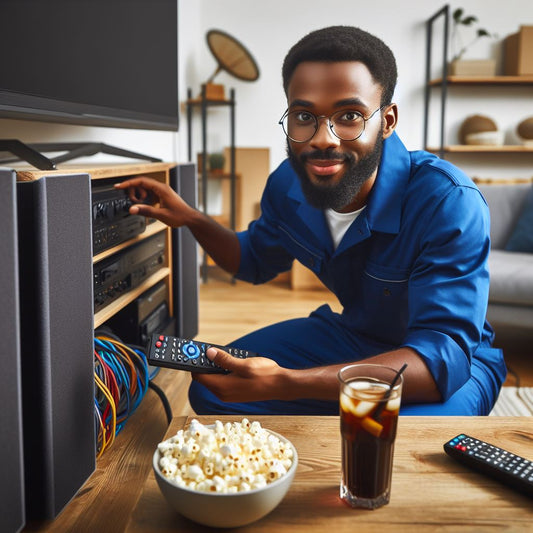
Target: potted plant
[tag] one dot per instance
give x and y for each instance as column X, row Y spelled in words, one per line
column 216, row 163
column 468, row 67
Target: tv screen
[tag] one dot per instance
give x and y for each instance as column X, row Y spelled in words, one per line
column 94, row 62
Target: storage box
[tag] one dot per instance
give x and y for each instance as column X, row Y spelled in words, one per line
column 519, row 52
column 473, row 67
column 214, row 91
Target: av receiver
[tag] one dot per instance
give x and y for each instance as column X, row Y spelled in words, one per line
column 127, row 269
column 112, row 222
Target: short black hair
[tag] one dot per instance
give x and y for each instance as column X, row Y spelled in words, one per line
column 345, row 43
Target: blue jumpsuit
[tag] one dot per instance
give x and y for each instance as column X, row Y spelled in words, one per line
column 411, row 271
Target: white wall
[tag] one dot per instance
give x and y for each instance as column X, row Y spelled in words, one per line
column 268, row 29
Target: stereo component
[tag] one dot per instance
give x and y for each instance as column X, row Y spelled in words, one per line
column 112, row 222
column 185, row 256
column 57, row 339
column 146, row 314
column 127, row 269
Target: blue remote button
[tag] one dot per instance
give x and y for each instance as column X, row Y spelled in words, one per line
column 191, row 350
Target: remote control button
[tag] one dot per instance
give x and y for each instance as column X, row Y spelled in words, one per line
column 191, row 350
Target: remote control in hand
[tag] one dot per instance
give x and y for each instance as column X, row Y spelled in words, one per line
column 186, row 354
column 507, row 467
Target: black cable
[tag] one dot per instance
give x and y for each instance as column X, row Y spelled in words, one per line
column 164, row 399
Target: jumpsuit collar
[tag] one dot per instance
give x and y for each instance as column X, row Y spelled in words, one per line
column 384, row 208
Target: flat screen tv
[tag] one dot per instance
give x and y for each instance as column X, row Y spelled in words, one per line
column 93, row 62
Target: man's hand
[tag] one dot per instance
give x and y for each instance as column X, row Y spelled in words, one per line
column 252, row 379
column 166, row 205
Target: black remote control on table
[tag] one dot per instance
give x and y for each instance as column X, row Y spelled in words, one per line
column 507, row 467
column 186, row 354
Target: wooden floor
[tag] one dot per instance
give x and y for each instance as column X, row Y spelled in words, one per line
column 230, row 310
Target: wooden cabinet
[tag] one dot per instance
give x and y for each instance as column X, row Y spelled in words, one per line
column 57, row 280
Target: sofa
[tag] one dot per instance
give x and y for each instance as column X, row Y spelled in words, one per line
column 511, row 257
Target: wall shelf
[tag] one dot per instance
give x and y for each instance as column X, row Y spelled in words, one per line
column 483, row 149
column 483, row 80
column 445, row 84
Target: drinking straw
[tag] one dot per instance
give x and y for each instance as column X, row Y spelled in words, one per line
column 387, row 394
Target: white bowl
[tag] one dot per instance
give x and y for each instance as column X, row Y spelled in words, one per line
column 226, row 509
column 487, row 138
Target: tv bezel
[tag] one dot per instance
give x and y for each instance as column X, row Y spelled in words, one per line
column 25, row 105
column 20, row 106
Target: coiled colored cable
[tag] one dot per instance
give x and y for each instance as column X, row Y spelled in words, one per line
column 121, row 378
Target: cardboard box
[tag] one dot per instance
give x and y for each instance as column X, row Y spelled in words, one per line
column 473, row 67
column 519, row 53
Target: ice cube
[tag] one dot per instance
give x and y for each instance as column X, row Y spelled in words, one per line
column 393, row 404
column 363, row 408
column 358, row 408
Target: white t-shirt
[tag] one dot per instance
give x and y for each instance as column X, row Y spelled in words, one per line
column 339, row 223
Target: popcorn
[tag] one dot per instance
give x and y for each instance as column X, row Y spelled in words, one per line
column 227, row 458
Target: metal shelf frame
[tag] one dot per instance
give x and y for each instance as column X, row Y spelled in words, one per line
column 204, row 104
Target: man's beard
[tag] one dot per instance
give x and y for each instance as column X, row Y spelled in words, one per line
column 337, row 195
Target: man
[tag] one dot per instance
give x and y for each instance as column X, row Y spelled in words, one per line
column 401, row 238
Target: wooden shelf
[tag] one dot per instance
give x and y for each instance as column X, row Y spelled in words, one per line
column 96, row 171
column 484, row 80
column 208, row 101
column 486, row 149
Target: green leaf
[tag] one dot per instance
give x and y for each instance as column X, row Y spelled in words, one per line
column 457, row 14
column 468, row 21
column 483, row 33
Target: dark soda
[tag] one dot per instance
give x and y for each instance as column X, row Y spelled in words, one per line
column 367, row 440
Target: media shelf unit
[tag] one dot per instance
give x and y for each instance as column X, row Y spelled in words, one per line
column 56, row 286
column 163, row 172
column 444, row 84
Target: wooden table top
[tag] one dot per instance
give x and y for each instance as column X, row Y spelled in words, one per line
column 429, row 489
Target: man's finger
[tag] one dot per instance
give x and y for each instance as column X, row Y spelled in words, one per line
column 222, row 359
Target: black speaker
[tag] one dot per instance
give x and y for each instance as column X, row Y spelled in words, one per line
column 11, row 458
column 185, row 256
column 56, row 303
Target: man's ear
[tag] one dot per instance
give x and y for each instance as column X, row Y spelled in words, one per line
column 390, row 119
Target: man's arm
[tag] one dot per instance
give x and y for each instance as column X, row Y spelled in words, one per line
column 260, row 378
column 167, row 206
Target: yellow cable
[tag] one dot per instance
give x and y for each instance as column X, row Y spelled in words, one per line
column 109, row 397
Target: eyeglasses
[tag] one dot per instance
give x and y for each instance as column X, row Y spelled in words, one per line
column 300, row 126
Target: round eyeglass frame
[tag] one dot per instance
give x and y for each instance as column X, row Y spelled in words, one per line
column 330, row 124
